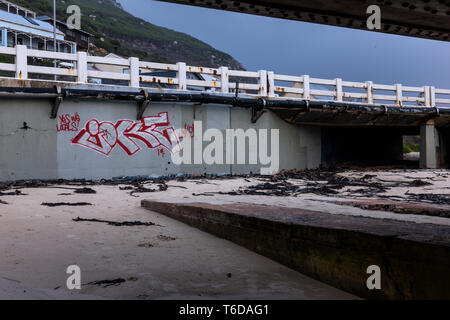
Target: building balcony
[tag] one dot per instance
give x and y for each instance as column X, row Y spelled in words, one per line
column 11, row 38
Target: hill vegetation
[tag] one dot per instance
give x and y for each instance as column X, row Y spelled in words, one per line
column 119, row 32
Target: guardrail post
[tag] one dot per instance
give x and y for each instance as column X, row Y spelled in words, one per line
column 426, row 96
column 399, row 94
column 82, row 67
column 306, row 88
column 271, row 83
column 339, row 94
column 21, row 62
column 134, row 72
column 432, row 97
column 369, row 85
column 262, row 83
column 224, row 80
column 181, row 75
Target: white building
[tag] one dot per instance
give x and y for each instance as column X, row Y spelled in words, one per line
column 22, row 28
column 14, row 8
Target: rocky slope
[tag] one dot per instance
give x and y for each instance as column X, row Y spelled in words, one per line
column 120, row 32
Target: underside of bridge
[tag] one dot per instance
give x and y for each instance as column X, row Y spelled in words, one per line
column 428, row 19
column 357, row 135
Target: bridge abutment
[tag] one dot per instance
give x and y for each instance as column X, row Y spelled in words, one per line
column 33, row 146
column 74, row 145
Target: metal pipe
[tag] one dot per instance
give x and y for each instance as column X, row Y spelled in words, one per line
column 224, row 99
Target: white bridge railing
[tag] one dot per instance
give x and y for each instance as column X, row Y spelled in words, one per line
column 135, row 73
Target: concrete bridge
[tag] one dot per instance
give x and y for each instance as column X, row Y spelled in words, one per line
column 423, row 19
column 43, row 119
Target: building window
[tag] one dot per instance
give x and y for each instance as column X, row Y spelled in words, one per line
column 84, row 38
column 70, row 33
column 11, row 39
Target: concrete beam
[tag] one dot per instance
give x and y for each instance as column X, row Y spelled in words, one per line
column 334, row 249
column 428, row 19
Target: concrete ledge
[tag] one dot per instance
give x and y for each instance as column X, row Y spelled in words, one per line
column 18, row 83
column 335, row 249
column 416, row 208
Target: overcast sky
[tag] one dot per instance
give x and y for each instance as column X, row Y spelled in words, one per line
column 296, row 48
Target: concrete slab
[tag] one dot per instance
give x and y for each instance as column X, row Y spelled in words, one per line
column 439, row 210
column 217, row 191
column 335, row 249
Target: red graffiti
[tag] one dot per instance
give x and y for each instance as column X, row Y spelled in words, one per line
column 188, row 130
column 68, row 123
column 161, row 153
column 154, row 132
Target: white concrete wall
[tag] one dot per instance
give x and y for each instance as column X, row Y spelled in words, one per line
column 44, row 153
column 79, row 162
column 299, row 148
column 27, row 153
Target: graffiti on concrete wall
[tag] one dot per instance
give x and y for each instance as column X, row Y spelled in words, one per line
column 161, row 152
column 153, row 132
column 188, row 130
column 68, row 123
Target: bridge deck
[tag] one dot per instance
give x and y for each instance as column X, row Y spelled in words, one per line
column 296, row 98
column 424, row 19
column 82, row 69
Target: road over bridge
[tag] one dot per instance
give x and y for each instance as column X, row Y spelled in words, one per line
column 428, row 19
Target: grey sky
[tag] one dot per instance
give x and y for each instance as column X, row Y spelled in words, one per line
column 291, row 47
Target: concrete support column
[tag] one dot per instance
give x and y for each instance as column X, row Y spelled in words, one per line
column 429, row 146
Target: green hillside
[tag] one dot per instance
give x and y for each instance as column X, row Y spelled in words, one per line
column 119, row 32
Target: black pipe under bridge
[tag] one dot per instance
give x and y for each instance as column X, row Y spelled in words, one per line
column 294, row 111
